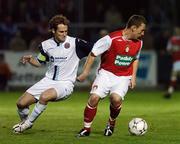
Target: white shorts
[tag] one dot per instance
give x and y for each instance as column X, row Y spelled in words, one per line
column 108, row 83
column 176, row 66
column 63, row 88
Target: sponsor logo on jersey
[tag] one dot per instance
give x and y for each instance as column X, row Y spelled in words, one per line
column 67, row 45
column 53, row 59
column 122, row 60
column 60, row 57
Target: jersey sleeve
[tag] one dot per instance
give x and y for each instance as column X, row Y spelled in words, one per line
column 42, row 56
column 83, row 48
column 102, row 45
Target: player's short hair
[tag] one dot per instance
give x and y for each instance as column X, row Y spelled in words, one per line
column 136, row 20
column 56, row 20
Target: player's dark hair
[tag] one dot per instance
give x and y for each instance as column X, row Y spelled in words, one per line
column 56, row 20
column 136, row 20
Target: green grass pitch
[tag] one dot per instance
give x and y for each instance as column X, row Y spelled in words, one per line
column 62, row 120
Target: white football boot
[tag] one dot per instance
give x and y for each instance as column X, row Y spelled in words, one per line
column 19, row 128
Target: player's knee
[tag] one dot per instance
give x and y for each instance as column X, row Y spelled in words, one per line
column 93, row 100
column 20, row 104
column 49, row 95
column 43, row 99
column 116, row 101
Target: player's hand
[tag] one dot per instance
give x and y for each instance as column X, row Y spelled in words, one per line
column 132, row 83
column 82, row 77
column 25, row 59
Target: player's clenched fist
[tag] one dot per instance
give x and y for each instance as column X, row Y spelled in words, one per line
column 25, row 59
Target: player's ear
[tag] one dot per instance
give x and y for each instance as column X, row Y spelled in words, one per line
column 133, row 28
column 53, row 31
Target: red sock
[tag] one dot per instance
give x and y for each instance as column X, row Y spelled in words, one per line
column 173, row 83
column 114, row 112
column 89, row 114
column 111, row 122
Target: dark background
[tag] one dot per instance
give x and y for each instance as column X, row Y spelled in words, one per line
column 26, row 21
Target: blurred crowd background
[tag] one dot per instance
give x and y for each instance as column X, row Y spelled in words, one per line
column 24, row 23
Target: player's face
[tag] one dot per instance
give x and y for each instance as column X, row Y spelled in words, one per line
column 138, row 32
column 61, row 32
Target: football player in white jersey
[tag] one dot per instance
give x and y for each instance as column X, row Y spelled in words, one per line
column 63, row 54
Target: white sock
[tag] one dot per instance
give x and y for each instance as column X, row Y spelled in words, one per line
column 38, row 109
column 87, row 125
column 170, row 90
column 23, row 113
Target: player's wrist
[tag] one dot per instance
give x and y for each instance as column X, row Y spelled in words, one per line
column 85, row 73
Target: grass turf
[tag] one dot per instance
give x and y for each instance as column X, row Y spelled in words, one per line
column 62, row 120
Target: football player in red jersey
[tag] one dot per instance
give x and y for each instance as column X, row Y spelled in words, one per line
column 174, row 48
column 120, row 51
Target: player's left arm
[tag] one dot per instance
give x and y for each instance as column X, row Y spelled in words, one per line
column 42, row 57
column 135, row 68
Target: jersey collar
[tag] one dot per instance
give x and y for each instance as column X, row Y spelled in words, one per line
column 58, row 43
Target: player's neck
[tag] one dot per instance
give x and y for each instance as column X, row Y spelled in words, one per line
column 126, row 34
column 57, row 41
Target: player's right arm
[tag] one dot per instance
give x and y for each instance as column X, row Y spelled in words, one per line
column 87, row 67
column 99, row 47
column 31, row 60
column 42, row 58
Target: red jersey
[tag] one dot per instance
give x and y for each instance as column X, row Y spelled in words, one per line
column 174, row 46
column 119, row 57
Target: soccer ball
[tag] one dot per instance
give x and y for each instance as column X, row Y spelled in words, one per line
column 137, row 126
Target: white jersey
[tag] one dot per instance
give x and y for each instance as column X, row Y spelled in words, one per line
column 63, row 57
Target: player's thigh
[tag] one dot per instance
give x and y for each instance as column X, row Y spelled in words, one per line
column 101, row 85
column 26, row 100
column 42, row 89
column 38, row 88
column 63, row 89
column 120, row 87
column 48, row 95
column 174, row 73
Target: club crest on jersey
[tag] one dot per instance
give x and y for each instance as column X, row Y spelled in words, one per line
column 94, row 87
column 127, row 48
column 67, row 45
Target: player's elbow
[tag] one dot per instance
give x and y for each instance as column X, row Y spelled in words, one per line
column 92, row 54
